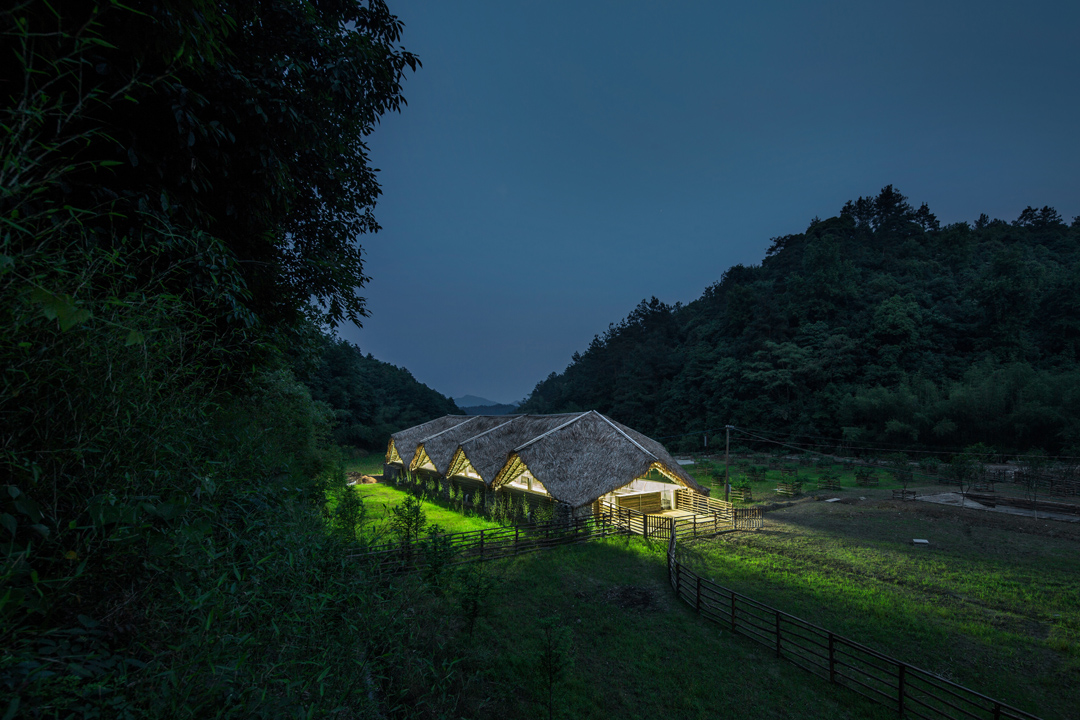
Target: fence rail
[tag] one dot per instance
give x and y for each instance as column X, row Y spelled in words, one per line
column 908, row 689
column 488, row 543
column 494, row 543
column 714, row 521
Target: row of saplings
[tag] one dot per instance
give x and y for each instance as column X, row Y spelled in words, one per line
column 964, row 468
column 502, row 508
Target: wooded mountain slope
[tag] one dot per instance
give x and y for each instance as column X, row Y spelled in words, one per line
column 371, row 399
column 874, row 326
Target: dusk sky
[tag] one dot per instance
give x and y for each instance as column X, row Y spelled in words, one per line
column 559, row 161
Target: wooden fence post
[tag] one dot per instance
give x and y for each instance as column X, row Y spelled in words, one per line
column 678, row 578
column 900, row 693
column 732, row 611
column 516, row 539
column 481, row 543
column 777, row 633
column 832, row 659
column 697, row 599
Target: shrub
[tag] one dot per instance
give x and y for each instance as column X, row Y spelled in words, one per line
column 407, row 519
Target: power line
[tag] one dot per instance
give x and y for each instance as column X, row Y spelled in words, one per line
column 842, row 444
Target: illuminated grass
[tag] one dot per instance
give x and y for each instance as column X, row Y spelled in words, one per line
column 994, row 603
column 379, row 498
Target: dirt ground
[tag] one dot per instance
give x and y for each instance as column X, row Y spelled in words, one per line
column 878, row 499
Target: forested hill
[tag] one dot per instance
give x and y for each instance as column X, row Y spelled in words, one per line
column 371, row 399
column 877, row 325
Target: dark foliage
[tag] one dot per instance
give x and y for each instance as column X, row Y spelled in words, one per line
column 180, row 182
column 877, row 325
column 371, row 399
column 216, row 148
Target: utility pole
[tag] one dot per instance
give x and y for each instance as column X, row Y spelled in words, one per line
column 727, row 463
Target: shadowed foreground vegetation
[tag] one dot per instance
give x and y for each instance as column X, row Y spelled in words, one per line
column 992, row 604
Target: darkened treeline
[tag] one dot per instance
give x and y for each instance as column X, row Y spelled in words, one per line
column 371, row 399
column 877, row 325
column 182, row 189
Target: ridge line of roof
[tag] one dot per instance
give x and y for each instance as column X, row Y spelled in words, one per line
column 554, row 429
column 623, row 433
column 452, row 427
column 473, row 437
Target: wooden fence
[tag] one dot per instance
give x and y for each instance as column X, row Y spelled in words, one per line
column 696, row 502
column 709, row 518
column 489, row 543
column 910, row 690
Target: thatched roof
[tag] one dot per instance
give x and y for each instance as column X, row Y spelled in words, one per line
column 588, row 456
column 405, row 441
column 440, row 447
column 487, row 451
column 577, row 457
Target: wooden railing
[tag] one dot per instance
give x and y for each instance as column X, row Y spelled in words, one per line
column 908, row 689
column 698, row 503
column 489, row 543
column 748, row 519
column 714, row 517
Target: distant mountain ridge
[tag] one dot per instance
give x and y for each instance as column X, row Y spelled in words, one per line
column 468, row 401
column 496, row 409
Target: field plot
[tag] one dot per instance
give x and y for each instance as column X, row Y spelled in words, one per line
column 992, row 603
column 765, row 477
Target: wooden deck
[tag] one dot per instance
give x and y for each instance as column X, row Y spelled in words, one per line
column 675, row 513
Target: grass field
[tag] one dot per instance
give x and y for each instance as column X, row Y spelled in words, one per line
column 633, row 652
column 993, row 603
column 379, row 498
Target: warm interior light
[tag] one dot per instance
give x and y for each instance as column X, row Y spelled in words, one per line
column 460, row 465
column 421, row 461
column 392, row 454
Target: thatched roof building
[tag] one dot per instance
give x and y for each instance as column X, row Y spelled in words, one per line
column 435, row 452
column 403, row 443
column 484, row 455
column 574, row 458
column 589, row 456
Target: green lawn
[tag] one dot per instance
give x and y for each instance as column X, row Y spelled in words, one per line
column 993, row 604
column 379, row 498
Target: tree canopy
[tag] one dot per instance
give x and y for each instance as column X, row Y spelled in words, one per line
column 215, row 148
column 877, row 325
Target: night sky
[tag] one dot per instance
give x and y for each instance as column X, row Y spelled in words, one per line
column 559, row 161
